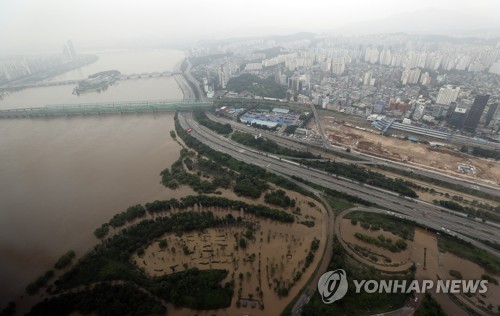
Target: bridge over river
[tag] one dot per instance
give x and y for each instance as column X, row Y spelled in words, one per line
column 107, row 108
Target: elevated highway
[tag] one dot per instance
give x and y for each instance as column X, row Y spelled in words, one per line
column 437, row 218
column 300, row 144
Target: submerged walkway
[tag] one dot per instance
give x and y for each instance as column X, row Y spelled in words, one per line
column 107, row 108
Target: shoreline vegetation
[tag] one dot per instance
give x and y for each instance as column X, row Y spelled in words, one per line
column 110, row 260
column 198, row 289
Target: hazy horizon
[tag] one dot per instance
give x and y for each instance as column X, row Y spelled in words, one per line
column 32, row 26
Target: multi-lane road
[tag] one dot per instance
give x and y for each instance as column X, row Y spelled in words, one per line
column 434, row 217
column 304, row 145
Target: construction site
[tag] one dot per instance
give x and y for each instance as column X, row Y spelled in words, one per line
column 359, row 136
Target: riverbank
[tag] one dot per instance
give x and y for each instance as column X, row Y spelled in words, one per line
column 60, row 178
column 186, row 82
column 67, row 178
column 183, row 84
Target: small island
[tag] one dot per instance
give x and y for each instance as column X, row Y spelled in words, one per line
column 97, row 82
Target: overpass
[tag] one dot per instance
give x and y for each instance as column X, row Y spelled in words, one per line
column 107, row 108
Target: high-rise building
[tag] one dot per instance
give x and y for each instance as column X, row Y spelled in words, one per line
column 378, row 107
column 489, row 115
column 405, row 76
column 425, row 79
column 475, row 112
column 447, row 95
column 458, row 117
column 385, row 57
column 371, row 55
column 410, row 76
column 495, row 68
column 419, row 112
column 224, row 75
column 338, row 66
column 367, row 78
column 396, row 60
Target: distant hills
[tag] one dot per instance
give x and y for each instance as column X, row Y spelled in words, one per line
column 430, row 21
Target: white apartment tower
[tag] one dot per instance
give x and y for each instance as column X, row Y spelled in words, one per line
column 425, row 79
column 447, row 95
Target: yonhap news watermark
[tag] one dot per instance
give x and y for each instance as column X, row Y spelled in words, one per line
column 333, row 286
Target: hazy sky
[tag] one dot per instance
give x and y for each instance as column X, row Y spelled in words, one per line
column 46, row 24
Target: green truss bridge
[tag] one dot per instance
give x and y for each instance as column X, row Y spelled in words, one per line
column 107, row 108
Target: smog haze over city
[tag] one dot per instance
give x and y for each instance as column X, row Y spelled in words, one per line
column 256, row 157
column 31, row 25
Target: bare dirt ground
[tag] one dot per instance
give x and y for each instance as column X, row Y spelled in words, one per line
column 280, row 248
column 441, row 159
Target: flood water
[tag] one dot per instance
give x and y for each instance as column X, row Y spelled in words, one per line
column 60, row 178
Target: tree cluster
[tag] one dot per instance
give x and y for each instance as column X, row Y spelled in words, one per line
column 470, row 211
column 33, row 288
column 355, row 303
column 65, row 260
column 241, row 167
column 279, row 197
column 257, row 86
column 177, row 175
column 102, row 231
column 129, row 215
column 382, row 242
column 463, row 249
column 111, row 261
column 102, row 299
column 249, row 186
column 454, row 186
column 429, row 307
column 221, row 202
column 481, row 152
column 268, row 146
column 363, row 175
column 201, row 117
column 400, row 227
column 290, row 129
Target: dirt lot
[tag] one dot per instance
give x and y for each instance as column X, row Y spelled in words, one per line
column 405, row 151
column 278, row 251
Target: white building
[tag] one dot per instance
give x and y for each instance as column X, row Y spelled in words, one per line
column 495, row 68
column 367, row 79
column 425, row 80
column 447, row 95
column 410, row 76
